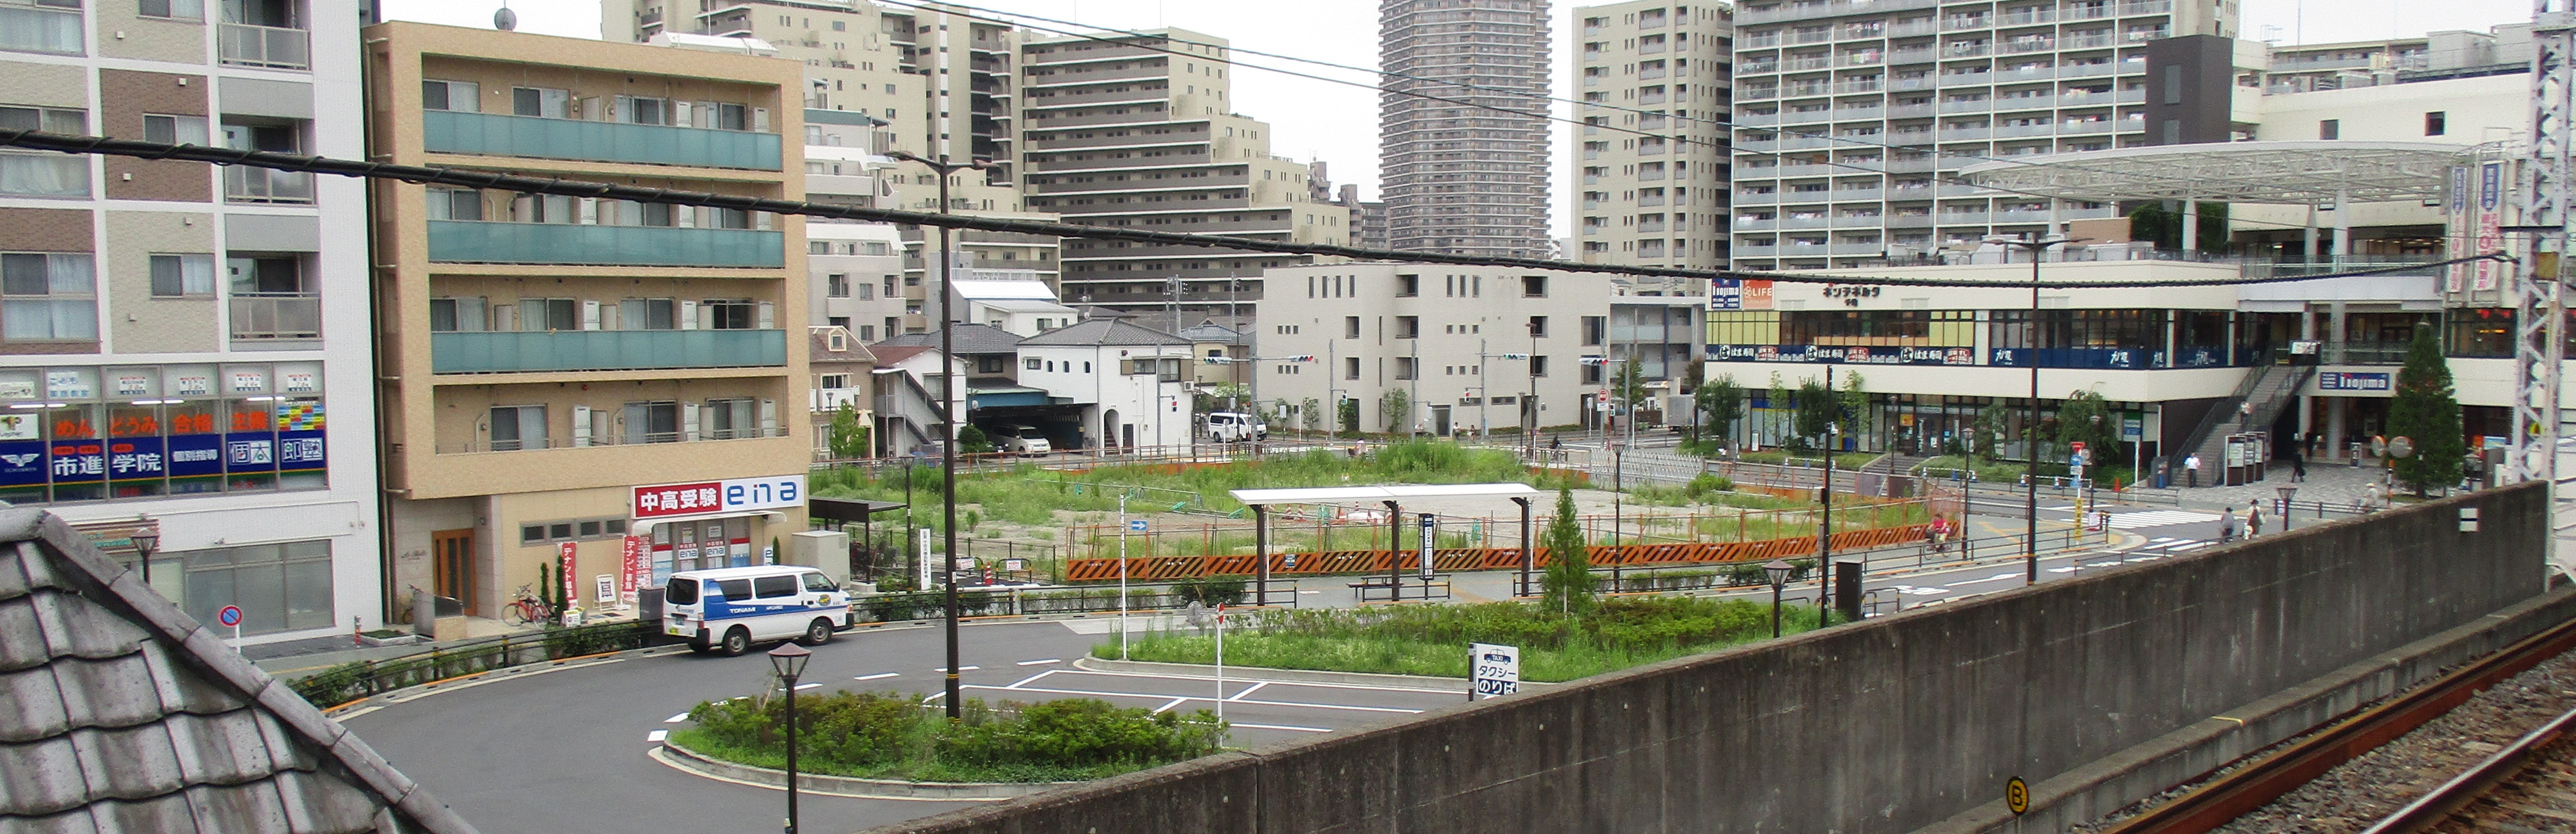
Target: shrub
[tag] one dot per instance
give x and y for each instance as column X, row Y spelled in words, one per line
column 1707, row 483
column 1211, row 591
column 888, row 734
column 1081, row 732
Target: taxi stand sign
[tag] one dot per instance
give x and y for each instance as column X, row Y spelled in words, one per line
column 1495, row 670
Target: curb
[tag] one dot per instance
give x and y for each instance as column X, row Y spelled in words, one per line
column 461, row 681
column 694, row 763
column 1255, row 673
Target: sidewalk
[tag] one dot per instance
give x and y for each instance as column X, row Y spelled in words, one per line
column 2336, row 485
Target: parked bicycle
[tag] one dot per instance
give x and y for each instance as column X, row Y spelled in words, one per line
column 527, row 609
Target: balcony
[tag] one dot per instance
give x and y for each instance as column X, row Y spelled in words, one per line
column 40, row 30
column 1909, row 111
column 1977, row 106
column 274, row 47
column 1909, row 30
column 604, row 350
column 276, row 315
column 471, row 241
column 265, row 185
column 488, row 134
column 1857, row 221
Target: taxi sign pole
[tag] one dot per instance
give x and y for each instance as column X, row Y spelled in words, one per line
column 1220, row 662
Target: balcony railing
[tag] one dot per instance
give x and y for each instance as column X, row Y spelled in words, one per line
column 618, row 438
column 470, row 241
column 448, row 131
column 604, row 350
column 266, row 185
column 276, row 315
column 245, row 45
column 40, row 30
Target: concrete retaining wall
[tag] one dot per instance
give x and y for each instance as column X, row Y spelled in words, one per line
column 1886, row 726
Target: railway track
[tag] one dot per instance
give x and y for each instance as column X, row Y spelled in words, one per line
column 2251, row 785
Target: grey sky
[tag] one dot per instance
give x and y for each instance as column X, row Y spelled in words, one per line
column 1338, row 123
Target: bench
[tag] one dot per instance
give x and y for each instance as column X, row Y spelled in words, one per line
column 1435, row 586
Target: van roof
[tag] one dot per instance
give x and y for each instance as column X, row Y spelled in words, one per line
column 744, row 573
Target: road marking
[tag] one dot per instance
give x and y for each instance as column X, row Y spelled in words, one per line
column 1174, row 703
column 2050, row 509
column 1307, row 593
column 1038, row 662
column 944, row 669
column 1317, row 684
column 876, row 677
column 680, row 717
column 1918, row 591
column 2057, row 570
column 1249, row 689
column 1995, row 578
column 2186, row 548
column 805, row 686
column 657, row 735
column 1096, row 693
column 1280, row 727
column 1017, row 684
column 2159, row 518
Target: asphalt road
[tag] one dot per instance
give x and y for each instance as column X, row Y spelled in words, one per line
column 565, row 751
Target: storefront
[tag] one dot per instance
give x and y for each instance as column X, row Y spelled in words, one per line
column 715, row 524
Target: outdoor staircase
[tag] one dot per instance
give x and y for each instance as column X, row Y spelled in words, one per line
column 2270, row 388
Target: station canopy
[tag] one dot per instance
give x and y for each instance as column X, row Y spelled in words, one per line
column 1338, row 494
column 2303, row 172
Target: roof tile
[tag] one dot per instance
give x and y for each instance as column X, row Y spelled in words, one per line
column 373, row 770
column 221, row 749
column 76, row 821
column 296, row 714
column 110, row 693
column 184, row 692
column 13, row 579
column 22, row 643
column 316, row 805
column 160, row 813
column 83, row 634
column 31, row 707
column 40, row 778
column 135, row 763
column 254, row 808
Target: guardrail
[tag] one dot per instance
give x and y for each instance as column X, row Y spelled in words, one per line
column 352, row 681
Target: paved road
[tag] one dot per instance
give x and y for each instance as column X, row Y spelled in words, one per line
column 564, row 751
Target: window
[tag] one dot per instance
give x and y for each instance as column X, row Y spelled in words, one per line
column 1533, row 286
column 2434, row 122
column 455, row 204
column 459, row 96
column 2330, row 129
column 183, row 275
column 1030, row 364
column 1404, row 367
column 831, row 381
column 278, row 587
column 643, row 111
column 729, row 314
column 1538, row 327
column 1408, row 327
column 774, row 586
column 836, row 285
column 542, row 102
column 41, row 29
column 1408, row 286
column 540, row 315
column 1538, row 365
column 190, row 9
column 653, row 422
column 177, row 130
column 1594, row 329
column 989, row 364
column 44, row 173
column 541, row 532
column 1350, row 327
column 647, row 314
column 48, row 298
column 450, row 315
column 1351, row 367
column 1591, row 373
column 516, row 427
column 731, row 418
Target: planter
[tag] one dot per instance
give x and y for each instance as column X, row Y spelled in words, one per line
column 396, row 640
column 692, row 761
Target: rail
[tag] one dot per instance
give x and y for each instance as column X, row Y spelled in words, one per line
column 2457, row 793
column 2257, row 783
column 360, row 679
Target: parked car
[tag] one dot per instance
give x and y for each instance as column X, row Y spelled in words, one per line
column 1235, row 427
column 1025, row 440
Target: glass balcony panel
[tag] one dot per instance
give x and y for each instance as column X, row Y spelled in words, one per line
column 490, row 134
column 263, row 185
column 276, row 315
column 604, row 350
column 472, row 241
column 245, row 45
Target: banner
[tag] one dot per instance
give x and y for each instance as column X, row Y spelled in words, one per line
column 2490, row 222
column 711, row 497
column 2455, row 238
column 564, row 571
column 634, row 568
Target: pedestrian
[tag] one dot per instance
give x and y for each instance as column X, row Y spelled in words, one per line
column 2254, row 518
column 2191, row 466
column 2226, row 526
column 2298, row 467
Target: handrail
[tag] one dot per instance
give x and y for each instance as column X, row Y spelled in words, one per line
column 2218, row 413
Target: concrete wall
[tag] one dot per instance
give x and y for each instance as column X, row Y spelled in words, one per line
column 1886, row 726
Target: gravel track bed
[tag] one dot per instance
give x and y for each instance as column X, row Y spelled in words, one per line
column 2542, row 798
column 2358, row 793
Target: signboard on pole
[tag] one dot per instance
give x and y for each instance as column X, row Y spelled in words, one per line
column 1430, row 526
column 635, row 568
column 2457, row 239
column 1496, row 670
column 564, row 560
column 1136, row 525
column 924, row 562
column 2490, row 229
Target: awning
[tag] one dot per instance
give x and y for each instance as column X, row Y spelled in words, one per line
column 1329, row 495
column 856, row 510
column 1005, row 397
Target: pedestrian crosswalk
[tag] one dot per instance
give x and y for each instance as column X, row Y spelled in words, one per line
column 2159, row 518
column 2169, row 544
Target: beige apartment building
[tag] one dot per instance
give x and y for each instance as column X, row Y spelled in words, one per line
column 1651, row 153
column 610, row 384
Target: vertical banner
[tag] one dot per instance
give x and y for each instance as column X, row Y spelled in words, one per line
column 632, row 568
column 564, row 573
column 2455, row 232
column 2490, row 231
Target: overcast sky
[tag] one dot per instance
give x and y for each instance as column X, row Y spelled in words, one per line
column 1315, row 119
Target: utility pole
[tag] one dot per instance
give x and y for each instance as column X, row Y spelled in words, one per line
column 2037, row 246
column 950, row 405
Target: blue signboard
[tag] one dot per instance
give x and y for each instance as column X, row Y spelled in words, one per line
column 299, row 451
column 196, row 455
column 250, row 452
column 1725, row 294
column 136, row 459
column 22, row 463
column 79, row 460
column 2355, row 381
column 1836, row 354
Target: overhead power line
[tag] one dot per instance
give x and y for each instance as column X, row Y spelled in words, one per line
column 109, row 146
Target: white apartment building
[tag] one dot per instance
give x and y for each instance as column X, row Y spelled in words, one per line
column 1467, row 348
column 1651, row 155
column 1466, row 180
column 856, row 277
column 1846, row 112
column 1129, row 385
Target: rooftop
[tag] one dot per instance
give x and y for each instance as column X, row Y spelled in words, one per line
column 1103, row 332
column 971, row 339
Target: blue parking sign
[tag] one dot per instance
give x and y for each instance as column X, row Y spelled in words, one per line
column 1136, row 525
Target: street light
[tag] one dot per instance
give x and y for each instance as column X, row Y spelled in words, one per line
column 2286, row 492
column 146, row 539
column 2038, row 249
column 789, row 661
column 948, row 408
column 1778, row 572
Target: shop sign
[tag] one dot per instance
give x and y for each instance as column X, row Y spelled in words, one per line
column 1732, row 294
column 710, row 497
column 564, row 564
column 1845, row 355
column 2355, row 381
column 634, row 567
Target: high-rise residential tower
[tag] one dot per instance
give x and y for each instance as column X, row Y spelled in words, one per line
column 1651, row 154
column 1464, row 170
column 184, row 348
column 1847, row 116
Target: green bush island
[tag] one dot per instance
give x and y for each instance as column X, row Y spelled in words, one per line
column 889, row 735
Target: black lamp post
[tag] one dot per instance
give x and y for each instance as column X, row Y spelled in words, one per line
column 2286, row 492
column 1778, row 572
column 146, row 540
column 2037, row 246
column 789, row 661
column 950, row 404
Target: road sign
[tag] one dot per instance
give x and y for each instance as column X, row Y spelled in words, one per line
column 229, row 616
column 1135, row 525
column 1430, row 526
column 2017, row 796
column 1495, row 669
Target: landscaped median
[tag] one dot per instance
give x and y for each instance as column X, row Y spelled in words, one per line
column 891, row 737
column 1432, row 640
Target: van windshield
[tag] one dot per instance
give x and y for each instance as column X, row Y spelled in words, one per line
column 681, row 592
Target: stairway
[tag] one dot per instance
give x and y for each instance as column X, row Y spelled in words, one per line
column 2271, row 388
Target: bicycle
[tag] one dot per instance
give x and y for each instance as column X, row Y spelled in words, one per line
column 527, row 609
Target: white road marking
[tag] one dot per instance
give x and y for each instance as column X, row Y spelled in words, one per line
column 944, row 669
column 658, row 735
column 1043, row 662
column 2050, row 509
column 1280, row 727
column 1995, row 578
column 876, row 677
column 2159, row 518
column 685, row 716
column 1016, row 684
column 2069, row 569
column 1174, row 703
column 1096, row 693
column 1918, row 591
column 1249, row 689
column 2186, row 548
column 1317, row 684
column 1301, row 592
column 805, row 686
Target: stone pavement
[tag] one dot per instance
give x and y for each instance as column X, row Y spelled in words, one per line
column 2337, row 485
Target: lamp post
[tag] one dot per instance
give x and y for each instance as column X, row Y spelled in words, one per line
column 788, row 660
column 146, row 539
column 2286, row 492
column 948, row 407
column 2037, row 246
column 1778, row 572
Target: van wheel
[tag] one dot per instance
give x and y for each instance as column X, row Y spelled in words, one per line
column 736, row 642
column 818, row 633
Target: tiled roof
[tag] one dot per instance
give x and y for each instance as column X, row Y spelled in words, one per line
column 120, row 713
column 1103, row 332
column 971, row 339
column 894, row 354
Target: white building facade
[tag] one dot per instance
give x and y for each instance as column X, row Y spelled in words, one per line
column 1651, row 155
column 1133, row 383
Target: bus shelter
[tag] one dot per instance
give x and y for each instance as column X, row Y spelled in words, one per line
column 1393, row 497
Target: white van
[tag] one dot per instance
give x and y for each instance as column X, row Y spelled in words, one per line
column 1235, row 427
column 726, row 609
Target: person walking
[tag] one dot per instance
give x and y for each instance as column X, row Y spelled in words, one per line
column 2254, row 518
column 2226, row 525
column 2191, row 466
column 2298, row 467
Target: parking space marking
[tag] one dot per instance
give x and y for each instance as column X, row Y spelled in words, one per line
column 1317, row 684
column 1174, row 703
column 1159, row 695
column 1256, row 686
column 876, row 677
column 1038, row 662
column 1280, row 727
column 685, row 716
column 1031, row 678
column 658, row 735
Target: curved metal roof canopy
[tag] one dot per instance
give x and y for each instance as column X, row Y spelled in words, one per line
column 2292, row 172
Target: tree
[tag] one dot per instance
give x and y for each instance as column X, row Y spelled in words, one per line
column 1395, row 410
column 1312, row 413
column 1721, row 403
column 1568, row 584
column 2086, row 417
column 2153, row 223
column 1630, row 386
column 1993, row 429
column 1349, row 411
column 849, row 437
column 1818, row 409
column 2425, row 412
column 971, row 440
column 1854, row 405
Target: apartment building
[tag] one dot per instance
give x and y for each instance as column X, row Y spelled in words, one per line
column 1461, row 348
column 1467, row 180
column 185, row 347
column 2448, row 53
column 1651, row 153
column 1140, row 130
column 855, row 280
column 602, row 387
column 1848, row 113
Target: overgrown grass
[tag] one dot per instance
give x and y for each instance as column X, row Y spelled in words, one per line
column 1844, row 460
column 1432, row 639
column 871, row 735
